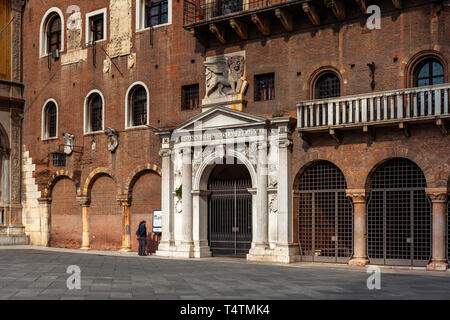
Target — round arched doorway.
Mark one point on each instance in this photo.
(325, 214)
(229, 210)
(399, 215)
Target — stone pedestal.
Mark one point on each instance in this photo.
(45, 205)
(438, 198)
(359, 197)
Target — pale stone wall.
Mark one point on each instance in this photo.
(75, 52)
(120, 28)
(31, 214)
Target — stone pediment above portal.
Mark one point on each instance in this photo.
(221, 118)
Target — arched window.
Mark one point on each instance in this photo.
(137, 105)
(51, 32)
(54, 33)
(328, 86)
(428, 73)
(94, 113)
(50, 120)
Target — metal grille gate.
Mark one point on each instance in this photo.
(325, 215)
(230, 217)
(399, 215)
(448, 229)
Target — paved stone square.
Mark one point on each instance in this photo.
(41, 274)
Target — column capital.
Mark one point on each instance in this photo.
(284, 143)
(165, 152)
(83, 201)
(437, 194)
(46, 201)
(357, 195)
(124, 200)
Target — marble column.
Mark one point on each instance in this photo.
(45, 205)
(260, 226)
(167, 233)
(125, 204)
(187, 236)
(200, 224)
(359, 197)
(438, 198)
(85, 203)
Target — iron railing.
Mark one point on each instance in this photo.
(380, 107)
(201, 10)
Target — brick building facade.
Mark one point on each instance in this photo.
(345, 100)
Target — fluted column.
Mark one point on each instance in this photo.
(187, 239)
(125, 204)
(438, 198)
(359, 197)
(85, 203)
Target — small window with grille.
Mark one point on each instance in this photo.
(328, 86)
(265, 87)
(156, 12)
(189, 97)
(96, 26)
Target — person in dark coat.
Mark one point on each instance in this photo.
(141, 234)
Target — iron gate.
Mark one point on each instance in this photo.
(325, 215)
(448, 229)
(230, 217)
(399, 215)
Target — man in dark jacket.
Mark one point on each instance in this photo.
(141, 234)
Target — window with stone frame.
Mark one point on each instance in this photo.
(328, 86)
(96, 26)
(156, 12)
(265, 87)
(138, 105)
(95, 113)
(190, 97)
(54, 33)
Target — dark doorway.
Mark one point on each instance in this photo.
(230, 211)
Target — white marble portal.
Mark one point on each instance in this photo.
(189, 154)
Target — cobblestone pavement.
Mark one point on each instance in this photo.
(41, 274)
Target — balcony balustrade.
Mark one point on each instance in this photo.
(396, 107)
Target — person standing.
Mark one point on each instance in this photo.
(141, 234)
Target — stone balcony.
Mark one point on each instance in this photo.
(237, 20)
(365, 111)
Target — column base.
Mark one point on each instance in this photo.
(85, 248)
(201, 249)
(282, 253)
(358, 262)
(437, 265)
(125, 249)
(184, 250)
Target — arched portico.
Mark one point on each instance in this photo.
(188, 157)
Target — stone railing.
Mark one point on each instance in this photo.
(396, 106)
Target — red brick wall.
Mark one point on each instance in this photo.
(105, 216)
(66, 222)
(146, 199)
